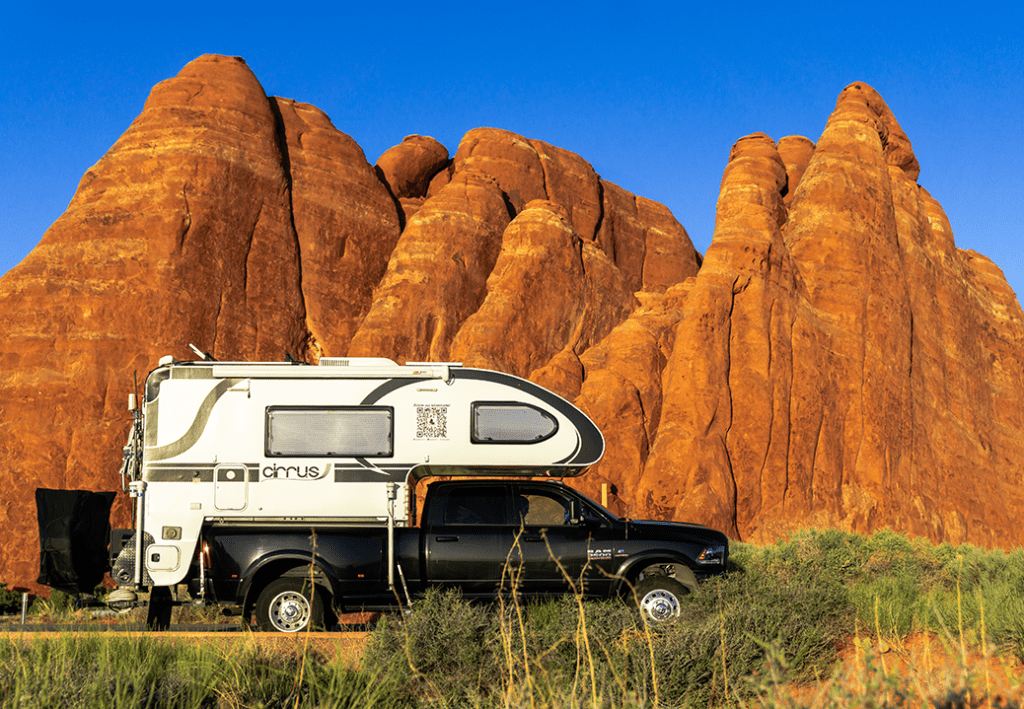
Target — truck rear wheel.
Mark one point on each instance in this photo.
(289, 605)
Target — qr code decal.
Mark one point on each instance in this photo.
(431, 421)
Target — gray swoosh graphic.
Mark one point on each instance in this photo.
(196, 429)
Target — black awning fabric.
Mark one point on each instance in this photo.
(74, 529)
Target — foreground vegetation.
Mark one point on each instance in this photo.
(775, 624)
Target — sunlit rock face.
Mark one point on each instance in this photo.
(839, 362)
(833, 360)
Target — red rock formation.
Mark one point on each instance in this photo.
(436, 276)
(647, 244)
(345, 222)
(530, 169)
(408, 167)
(623, 393)
(184, 231)
(841, 363)
(728, 341)
(833, 360)
(796, 152)
(549, 291)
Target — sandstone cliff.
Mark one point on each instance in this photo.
(833, 360)
(839, 362)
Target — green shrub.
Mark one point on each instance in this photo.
(58, 604)
(442, 647)
(10, 601)
(562, 651)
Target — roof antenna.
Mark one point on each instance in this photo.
(291, 360)
(205, 356)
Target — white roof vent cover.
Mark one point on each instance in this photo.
(356, 362)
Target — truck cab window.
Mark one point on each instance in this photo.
(537, 509)
(476, 505)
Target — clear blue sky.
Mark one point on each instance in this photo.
(653, 95)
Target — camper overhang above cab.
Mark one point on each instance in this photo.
(365, 419)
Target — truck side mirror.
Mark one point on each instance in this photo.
(575, 513)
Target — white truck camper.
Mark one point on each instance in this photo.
(342, 444)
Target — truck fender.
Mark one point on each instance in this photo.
(630, 568)
(276, 565)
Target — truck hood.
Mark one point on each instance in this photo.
(683, 531)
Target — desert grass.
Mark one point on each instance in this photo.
(104, 671)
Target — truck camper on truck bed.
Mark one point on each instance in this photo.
(288, 491)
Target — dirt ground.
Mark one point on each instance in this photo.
(921, 668)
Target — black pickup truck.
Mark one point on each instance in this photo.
(482, 537)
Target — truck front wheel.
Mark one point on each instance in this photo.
(289, 605)
(658, 598)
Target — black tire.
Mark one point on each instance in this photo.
(289, 605)
(659, 598)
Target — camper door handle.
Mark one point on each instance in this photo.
(447, 539)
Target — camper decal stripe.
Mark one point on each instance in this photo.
(368, 473)
(386, 388)
(198, 425)
(186, 473)
(569, 457)
(152, 423)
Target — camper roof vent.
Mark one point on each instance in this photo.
(356, 362)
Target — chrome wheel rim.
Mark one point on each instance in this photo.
(289, 611)
(660, 605)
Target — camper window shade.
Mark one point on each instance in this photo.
(355, 431)
(511, 422)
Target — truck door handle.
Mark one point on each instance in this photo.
(447, 539)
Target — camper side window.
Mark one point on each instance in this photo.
(348, 431)
(510, 422)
